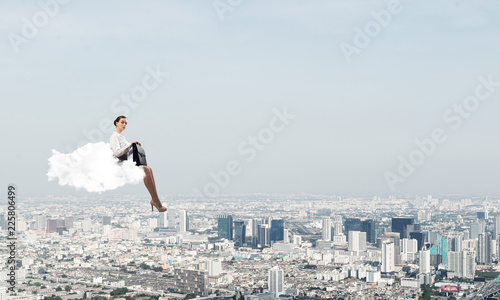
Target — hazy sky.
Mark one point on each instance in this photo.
(364, 80)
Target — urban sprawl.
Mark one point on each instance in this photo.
(253, 246)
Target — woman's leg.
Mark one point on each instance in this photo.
(149, 182)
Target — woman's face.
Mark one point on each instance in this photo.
(122, 124)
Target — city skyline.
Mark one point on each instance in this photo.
(208, 247)
(350, 97)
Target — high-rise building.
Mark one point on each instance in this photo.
(86, 224)
(277, 230)
(455, 264)
(276, 281)
(225, 227)
(171, 218)
(255, 231)
(183, 221)
(409, 247)
(461, 264)
(400, 225)
(387, 257)
(484, 249)
(264, 235)
(432, 236)
(352, 224)
(214, 267)
(106, 220)
(469, 265)
(496, 227)
(443, 248)
(326, 229)
(41, 222)
(191, 281)
(424, 261)
(419, 236)
(51, 225)
(477, 228)
(162, 220)
(368, 226)
(68, 222)
(239, 233)
(455, 242)
(395, 239)
(338, 226)
(357, 241)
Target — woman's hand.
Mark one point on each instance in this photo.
(137, 142)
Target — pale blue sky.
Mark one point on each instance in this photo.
(226, 77)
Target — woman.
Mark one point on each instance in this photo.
(121, 149)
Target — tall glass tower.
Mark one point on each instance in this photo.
(225, 227)
(400, 224)
(277, 230)
(239, 233)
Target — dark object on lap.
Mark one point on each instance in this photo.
(123, 157)
(139, 155)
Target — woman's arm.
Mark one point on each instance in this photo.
(118, 151)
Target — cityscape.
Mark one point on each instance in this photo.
(258, 246)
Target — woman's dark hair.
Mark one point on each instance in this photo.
(118, 119)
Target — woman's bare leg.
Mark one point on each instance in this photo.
(149, 182)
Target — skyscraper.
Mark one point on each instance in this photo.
(469, 265)
(276, 281)
(338, 226)
(496, 228)
(477, 228)
(387, 257)
(419, 236)
(357, 241)
(171, 218)
(461, 264)
(455, 264)
(264, 235)
(255, 231)
(277, 230)
(484, 249)
(239, 233)
(326, 229)
(352, 224)
(424, 261)
(443, 248)
(455, 242)
(400, 225)
(225, 227)
(183, 221)
(162, 220)
(368, 226)
(409, 247)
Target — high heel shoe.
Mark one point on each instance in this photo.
(159, 207)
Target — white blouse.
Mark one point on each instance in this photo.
(119, 145)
